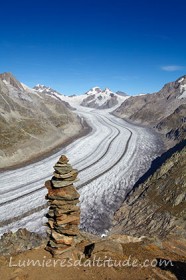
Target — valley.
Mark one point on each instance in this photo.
(110, 160)
(130, 154)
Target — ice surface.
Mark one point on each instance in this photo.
(110, 160)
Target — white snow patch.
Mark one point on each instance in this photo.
(181, 80)
(182, 91)
(183, 95)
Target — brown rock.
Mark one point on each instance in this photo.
(66, 209)
(62, 239)
(53, 244)
(65, 219)
(63, 159)
(67, 229)
(60, 203)
(57, 251)
(66, 193)
(73, 174)
(51, 223)
(61, 183)
(63, 168)
(48, 185)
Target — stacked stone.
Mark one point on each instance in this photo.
(63, 214)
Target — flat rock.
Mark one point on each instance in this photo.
(65, 219)
(66, 209)
(57, 251)
(65, 193)
(61, 183)
(60, 203)
(68, 229)
(62, 239)
(63, 169)
(73, 173)
(53, 244)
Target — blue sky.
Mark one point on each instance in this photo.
(73, 45)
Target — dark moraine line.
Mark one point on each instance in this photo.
(44, 206)
(37, 209)
(21, 196)
(38, 189)
(50, 174)
(26, 214)
(89, 181)
(94, 178)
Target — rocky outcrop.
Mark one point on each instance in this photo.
(22, 240)
(63, 214)
(157, 207)
(174, 126)
(31, 123)
(8, 78)
(163, 110)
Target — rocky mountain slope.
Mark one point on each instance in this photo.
(44, 90)
(165, 110)
(102, 99)
(31, 122)
(157, 207)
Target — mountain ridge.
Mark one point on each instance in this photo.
(31, 123)
(163, 110)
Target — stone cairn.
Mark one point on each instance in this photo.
(64, 214)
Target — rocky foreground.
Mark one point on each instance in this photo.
(114, 257)
(147, 241)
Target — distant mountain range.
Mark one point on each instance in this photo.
(94, 98)
(46, 90)
(41, 116)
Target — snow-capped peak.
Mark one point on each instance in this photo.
(47, 90)
(102, 99)
(99, 91)
(107, 91)
(94, 90)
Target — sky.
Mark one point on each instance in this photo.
(74, 45)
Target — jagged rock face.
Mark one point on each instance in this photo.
(45, 89)
(158, 206)
(175, 124)
(159, 109)
(8, 78)
(63, 214)
(30, 122)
